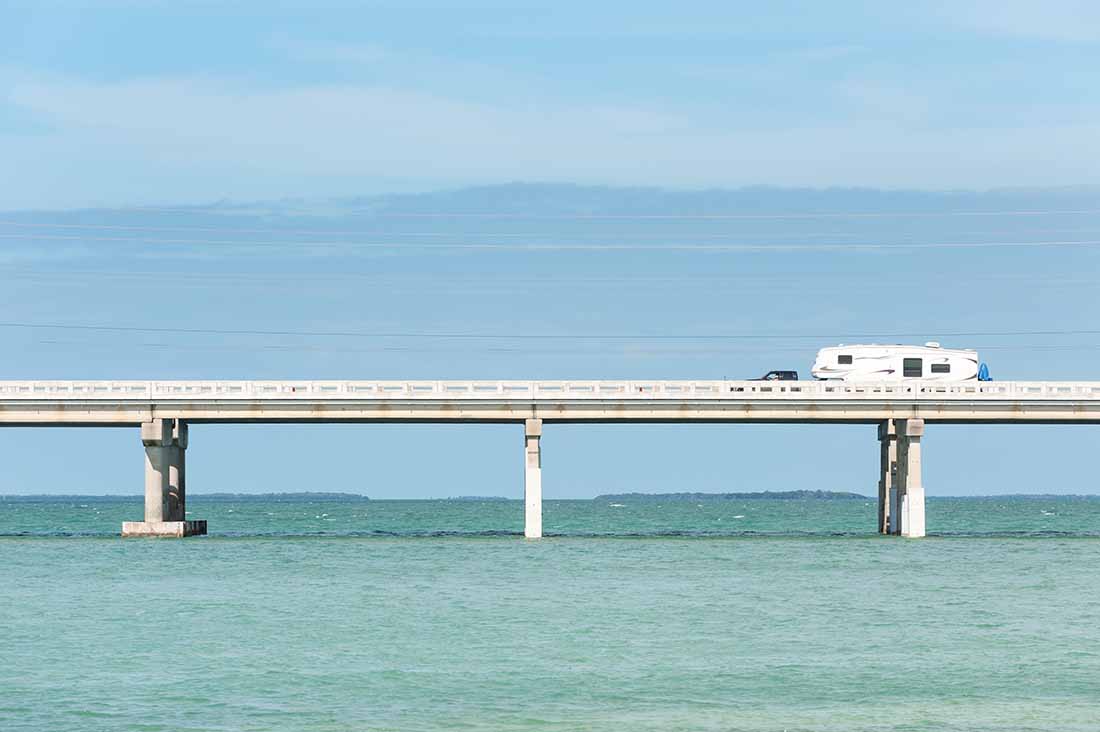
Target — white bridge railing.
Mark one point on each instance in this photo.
(542, 390)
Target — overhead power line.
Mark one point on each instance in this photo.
(437, 280)
(534, 247)
(647, 351)
(727, 217)
(264, 209)
(466, 335)
(38, 225)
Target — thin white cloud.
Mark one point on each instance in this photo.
(203, 139)
(1053, 20)
(339, 53)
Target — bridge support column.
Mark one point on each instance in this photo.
(910, 486)
(175, 507)
(532, 480)
(165, 442)
(888, 461)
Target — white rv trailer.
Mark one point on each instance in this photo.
(929, 362)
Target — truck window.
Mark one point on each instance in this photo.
(844, 359)
(941, 368)
(912, 368)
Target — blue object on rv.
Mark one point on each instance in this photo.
(983, 373)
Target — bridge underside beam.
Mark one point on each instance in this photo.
(655, 411)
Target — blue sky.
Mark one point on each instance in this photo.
(129, 104)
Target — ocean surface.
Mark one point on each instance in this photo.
(631, 615)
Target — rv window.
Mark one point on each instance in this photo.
(912, 368)
(844, 359)
(941, 368)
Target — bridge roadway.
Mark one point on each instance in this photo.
(163, 410)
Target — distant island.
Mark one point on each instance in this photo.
(775, 495)
(301, 497)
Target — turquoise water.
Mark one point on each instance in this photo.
(424, 615)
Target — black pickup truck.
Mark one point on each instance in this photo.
(779, 376)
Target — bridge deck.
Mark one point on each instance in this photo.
(133, 402)
(538, 390)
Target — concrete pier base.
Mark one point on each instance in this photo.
(177, 529)
(165, 442)
(532, 480)
(910, 485)
(888, 462)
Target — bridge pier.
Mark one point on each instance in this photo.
(888, 462)
(532, 479)
(910, 488)
(165, 442)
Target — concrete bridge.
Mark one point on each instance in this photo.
(163, 410)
